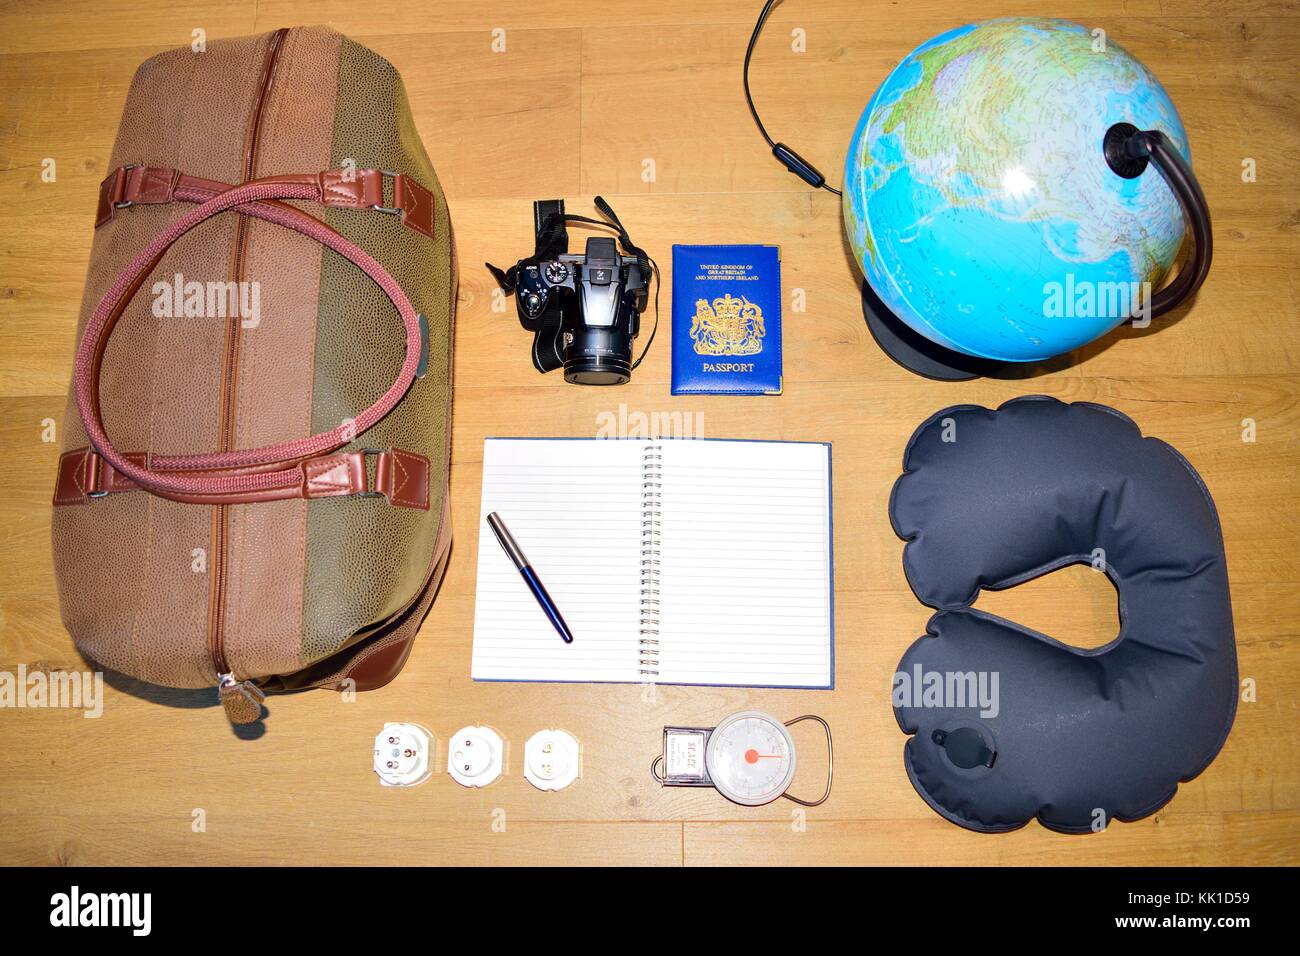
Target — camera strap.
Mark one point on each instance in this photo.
(551, 240)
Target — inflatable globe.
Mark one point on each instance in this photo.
(978, 199)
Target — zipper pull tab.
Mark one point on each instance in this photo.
(241, 699)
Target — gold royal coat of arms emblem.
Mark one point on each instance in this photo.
(729, 326)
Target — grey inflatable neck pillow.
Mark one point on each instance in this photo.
(1075, 737)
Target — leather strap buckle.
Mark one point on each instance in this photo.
(401, 477)
(84, 476)
(411, 201)
(111, 191)
(371, 489)
(394, 210)
(137, 184)
(119, 186)
(134, 184)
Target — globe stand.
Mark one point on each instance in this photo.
(914, 352)
(1128, 152)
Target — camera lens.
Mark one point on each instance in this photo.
(599, 356)
(596, 373)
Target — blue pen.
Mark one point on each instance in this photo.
(513, 551)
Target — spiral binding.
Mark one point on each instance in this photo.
(651, 527)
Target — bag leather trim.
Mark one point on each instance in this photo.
(401, 477)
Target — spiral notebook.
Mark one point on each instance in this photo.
(676, 561)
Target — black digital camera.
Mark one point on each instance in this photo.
(584, 310)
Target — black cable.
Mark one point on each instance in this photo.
(784, 154)
(749, 53)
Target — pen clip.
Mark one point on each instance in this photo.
(507, 541)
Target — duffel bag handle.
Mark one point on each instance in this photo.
(252, 472)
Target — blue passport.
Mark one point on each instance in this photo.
(726, 320)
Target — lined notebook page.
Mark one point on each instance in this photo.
(745, 564)
(574, 507)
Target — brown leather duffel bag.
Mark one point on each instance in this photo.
(252, 493)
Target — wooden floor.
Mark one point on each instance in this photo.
(584, 94)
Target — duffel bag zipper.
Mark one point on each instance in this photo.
(241, 699)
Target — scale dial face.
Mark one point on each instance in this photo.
(750, 758)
